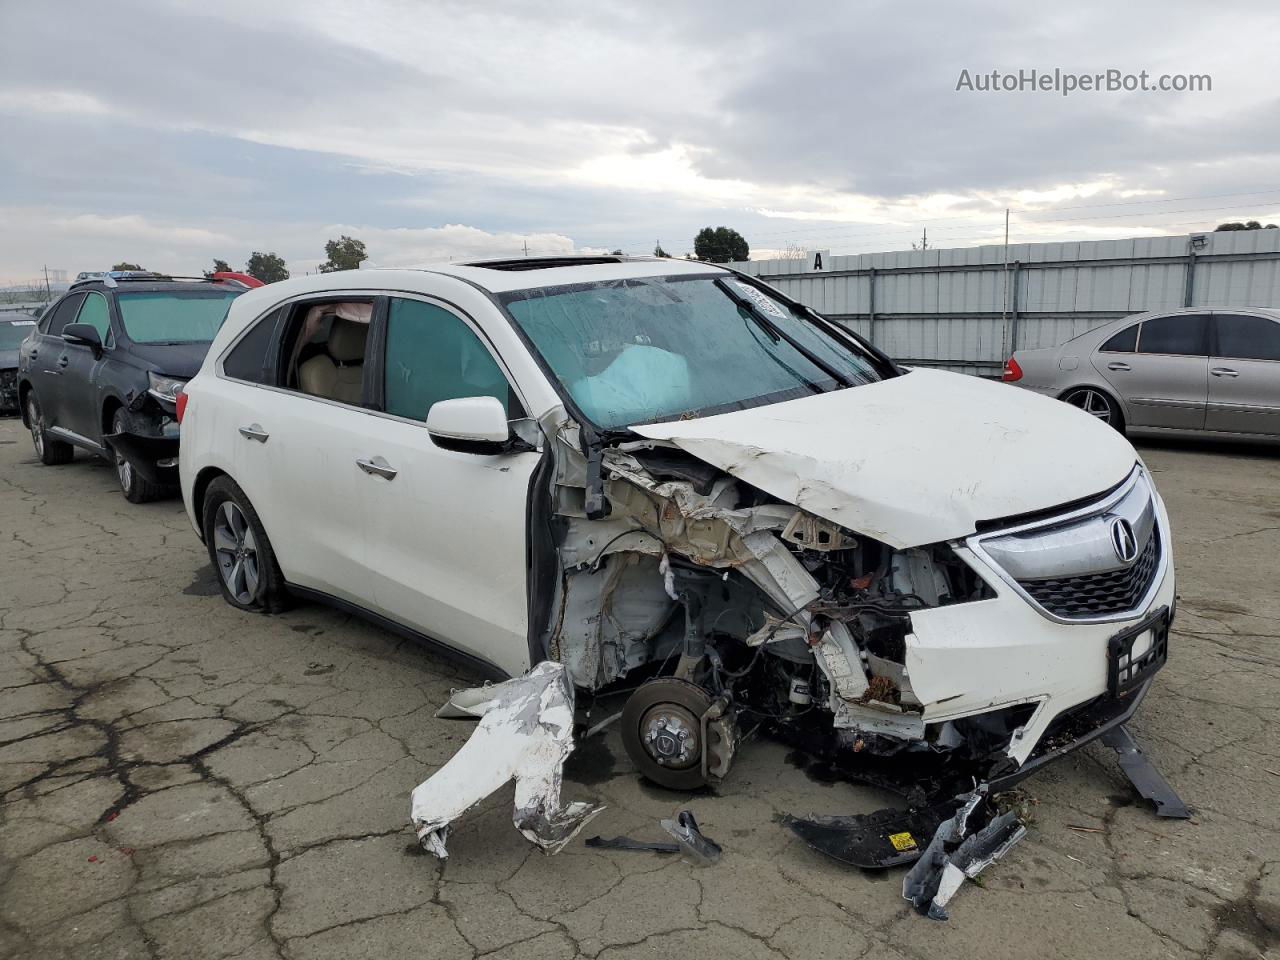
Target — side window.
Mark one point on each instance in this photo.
(325, 345)
(249, 359)
(61, 315)
(1183, 335)
(95, 312)
(432, 355)
(1243, 337)
(1126, 341)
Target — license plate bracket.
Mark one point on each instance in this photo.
(1126, 672)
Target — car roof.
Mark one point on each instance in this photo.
(502, 276)
(155, 286)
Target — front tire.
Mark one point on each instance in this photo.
(248, 573)
(135, 487)
(1097, 404)
(50, 451)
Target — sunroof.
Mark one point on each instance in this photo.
(541, 263)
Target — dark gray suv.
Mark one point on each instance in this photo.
(104, 368)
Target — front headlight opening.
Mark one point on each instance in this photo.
(165, 388)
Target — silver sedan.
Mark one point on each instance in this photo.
(1193, 371)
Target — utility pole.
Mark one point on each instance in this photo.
(526, 248)
(924, 241)
(48, 293)
(1004, 312)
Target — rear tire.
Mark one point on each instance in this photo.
(248, 574)
(1097, 404)
(135, 487)
(50, 451)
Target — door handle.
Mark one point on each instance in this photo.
(254, 431)
(63, 360)
(1223, 372)
(378, 467)
(1118, 365)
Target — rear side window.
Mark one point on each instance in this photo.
(432, 355)
(1126, 341)
(1243, 337)
(62, 314)
(250, 358)
(94, 312)
(1181, 335)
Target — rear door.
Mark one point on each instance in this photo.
(1244, 374)
(447, 530)
(1163, 382)
(295, 453)
(45, 356)
(80, 408)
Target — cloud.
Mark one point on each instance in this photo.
(616, 124)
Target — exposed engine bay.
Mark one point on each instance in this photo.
(729, 611)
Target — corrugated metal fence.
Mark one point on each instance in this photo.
(968, 308)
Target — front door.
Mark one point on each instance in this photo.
(447, 530)
(1244, 374)
(80, 411)
(1163, 382)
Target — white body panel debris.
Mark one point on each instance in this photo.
(525, 733)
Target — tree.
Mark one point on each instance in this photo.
(617, 253)
(219, 266)
(345, 253)
(1247, 225)
(267, 267)
(720, 245)
(659, 252)
(126, 265)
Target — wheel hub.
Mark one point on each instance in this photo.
(670, 735)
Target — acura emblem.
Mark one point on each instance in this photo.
(1123, 540)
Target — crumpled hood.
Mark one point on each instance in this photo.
(917, 459)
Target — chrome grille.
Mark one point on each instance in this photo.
(1098, 594)
(1071, 567)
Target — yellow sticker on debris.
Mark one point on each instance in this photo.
(902, 841)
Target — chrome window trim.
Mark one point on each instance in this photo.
(971, 549)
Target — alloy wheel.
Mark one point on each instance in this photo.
(37, 425)
(237, 552)
(1093, 403)
(124, 469)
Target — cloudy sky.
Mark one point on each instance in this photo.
(170, 133)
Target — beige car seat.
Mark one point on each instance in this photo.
(338, 373)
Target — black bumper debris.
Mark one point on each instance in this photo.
(875, 841)
(1146, 779)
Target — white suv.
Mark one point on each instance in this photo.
(670, 477)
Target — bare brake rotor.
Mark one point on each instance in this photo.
(669, 724)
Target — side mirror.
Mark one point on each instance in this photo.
(470, 425)
(83, 335)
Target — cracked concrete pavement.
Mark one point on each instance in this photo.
(178, 779)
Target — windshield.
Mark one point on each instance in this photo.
(174, 316)
(13, 332)
(636, 351)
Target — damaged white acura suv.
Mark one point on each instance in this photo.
(666, 478)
